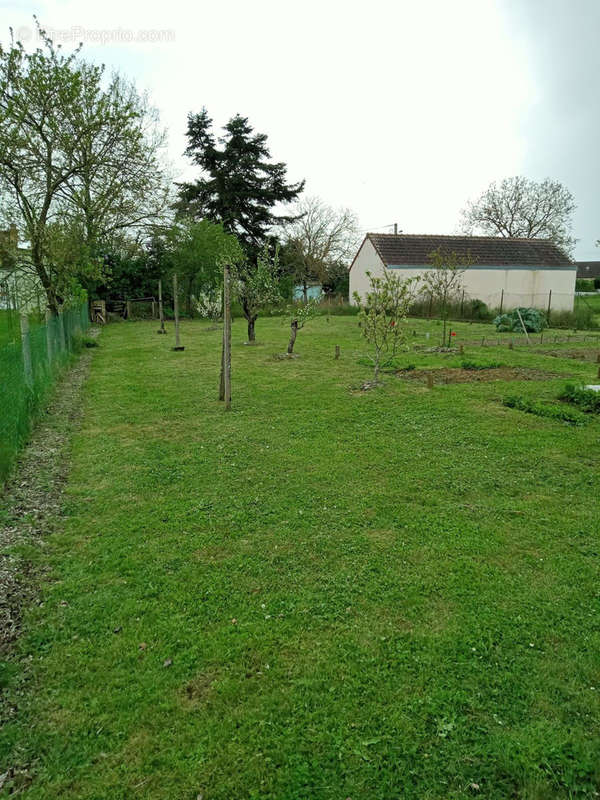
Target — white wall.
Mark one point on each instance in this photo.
(522, 286)
(367, 260)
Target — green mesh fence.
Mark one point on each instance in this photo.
(32, 354)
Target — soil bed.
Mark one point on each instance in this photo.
(580, 355)
(460, 375)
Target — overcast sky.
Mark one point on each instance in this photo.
(399, 110)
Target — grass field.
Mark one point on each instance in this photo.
(593, 302)
(324, 594)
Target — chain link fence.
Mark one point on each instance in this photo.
(33, 351)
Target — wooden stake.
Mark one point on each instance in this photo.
(160, 309)
(227, 337)
(523, 325)
(178, 345)
(429, 380)
(337, 351)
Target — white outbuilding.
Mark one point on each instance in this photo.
(505, 273)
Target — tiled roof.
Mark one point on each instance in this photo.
(398, 249)
(588, 269)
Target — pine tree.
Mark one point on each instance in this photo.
(240, 186)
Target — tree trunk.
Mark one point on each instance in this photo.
(444, 321)
(251, 334)
(53, 300)
(293, 334)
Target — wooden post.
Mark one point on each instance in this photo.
(511, 344)
(160, 309)
(153, 309)
(222, 378)
(128, 306)
(226, 337)
(337, 351)
(430, 380)
(501, 300)
(461, 349)
(178, 345)
(523, 326)
(26, 349)
(549, 305)
(542, 337)
(49, 337)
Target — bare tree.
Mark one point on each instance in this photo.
(523, 208)
(319, 241)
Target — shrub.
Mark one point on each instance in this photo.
(584, 285)
(548, 410)
(327, 309)
(457, 309)
(586, 399)
(581, 318)
(478, 310)
(533, 319)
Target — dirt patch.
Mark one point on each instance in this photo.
(579, 355)
(31, 501)
(460, 375)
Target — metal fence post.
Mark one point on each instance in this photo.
(49, 338)
(26, 349)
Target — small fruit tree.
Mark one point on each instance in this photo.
(382, 314)
(256, 286)
(444, 280)
(300, 315)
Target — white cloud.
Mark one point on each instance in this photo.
(400, 111)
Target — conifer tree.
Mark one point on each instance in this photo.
(240, 185)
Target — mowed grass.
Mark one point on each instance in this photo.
(325, 593)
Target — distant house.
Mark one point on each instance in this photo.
(588, 269)
(313, 291)
(511, 272)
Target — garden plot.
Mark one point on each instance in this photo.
(578, 355)
(478, 375)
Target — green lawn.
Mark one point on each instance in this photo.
(383, 594)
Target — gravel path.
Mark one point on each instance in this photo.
(31, 502)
